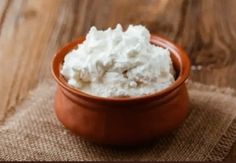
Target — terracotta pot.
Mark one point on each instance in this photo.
(123, 121)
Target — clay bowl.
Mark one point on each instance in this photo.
(123, 121)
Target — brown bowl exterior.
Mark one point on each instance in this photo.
(123, 121)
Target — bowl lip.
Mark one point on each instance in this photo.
(156, 40)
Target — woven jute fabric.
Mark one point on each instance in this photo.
(34, 133)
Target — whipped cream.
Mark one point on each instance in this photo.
(117, 63)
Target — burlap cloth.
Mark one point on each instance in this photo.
(34, 133)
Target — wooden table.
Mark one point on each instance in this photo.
(32, 30)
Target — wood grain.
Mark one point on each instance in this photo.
(31, 31)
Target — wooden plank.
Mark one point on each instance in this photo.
(4, 5)
(25, 34)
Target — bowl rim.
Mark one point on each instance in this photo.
(156, 40)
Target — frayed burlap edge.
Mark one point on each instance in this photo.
(223, 147)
